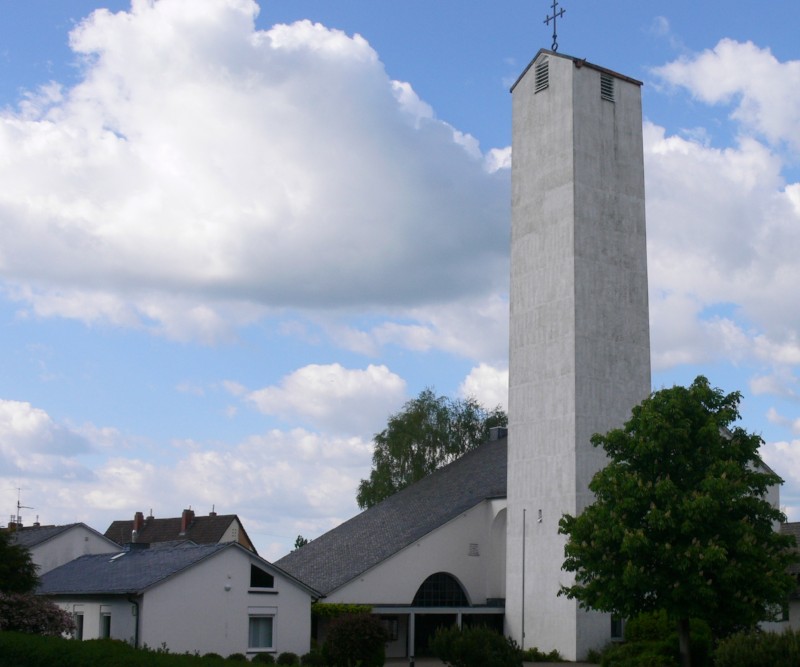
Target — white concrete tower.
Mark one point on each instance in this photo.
(579, 332)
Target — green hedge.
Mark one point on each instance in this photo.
(477, 646)
(757, 649)
(26, 650)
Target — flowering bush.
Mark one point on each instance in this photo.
(25, 612)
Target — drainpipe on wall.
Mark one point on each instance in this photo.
(131, 597)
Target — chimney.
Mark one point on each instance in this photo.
(186, 520)
(138, 521)
(212, 512)
(12, 524)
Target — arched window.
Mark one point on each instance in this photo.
(440, 590)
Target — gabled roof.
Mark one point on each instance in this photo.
(344, 553)
(32, 536)
(202, 530)
(135, 571)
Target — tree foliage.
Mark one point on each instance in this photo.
(300, 541)
(680, 522)
(17, 569)
(429, 432)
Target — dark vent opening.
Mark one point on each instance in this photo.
(607, 87)
(542, 75)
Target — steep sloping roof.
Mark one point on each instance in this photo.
(32, 536)
(202, 530)
(123, 572)
(342, 554)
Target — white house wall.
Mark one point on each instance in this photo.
(205, 609)
(69, 545)
(122, 612)
(447, 549)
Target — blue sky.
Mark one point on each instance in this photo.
(234, 238)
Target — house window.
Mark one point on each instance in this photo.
(260, 633)
(616, 627)
(260, 579)
(105, 626)
(78, 618)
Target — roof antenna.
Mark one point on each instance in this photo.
(557, 13)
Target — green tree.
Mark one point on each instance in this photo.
(17, 570)
(429, 432)
(300, 541)
(680, 522)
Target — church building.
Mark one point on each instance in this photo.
(477, 541)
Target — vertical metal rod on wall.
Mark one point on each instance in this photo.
(524, 511)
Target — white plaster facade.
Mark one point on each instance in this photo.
(205, 608)
(579, 329)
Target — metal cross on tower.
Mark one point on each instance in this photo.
(557, 13)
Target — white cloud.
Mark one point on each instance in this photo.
(32, 444)
(202, 171)
(335, 399)
(764, 91)
(774, 417)
(721, 228)
(488, 385)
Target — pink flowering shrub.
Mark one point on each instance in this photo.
(25, 612)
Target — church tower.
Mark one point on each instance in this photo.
(579, 331)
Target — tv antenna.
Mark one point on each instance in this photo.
(557, 14)
(18, 517)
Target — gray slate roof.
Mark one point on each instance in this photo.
(344, 553)
(131, 572)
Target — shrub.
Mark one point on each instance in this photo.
(264, 658)
(357, 639)
(651, 640)
(237, 657)
(288, 658)
(25, 612)
(212, 656)
(535, 655)
(755, 649)
(313, 658)
(476, 646)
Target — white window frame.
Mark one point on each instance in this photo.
(260, 649)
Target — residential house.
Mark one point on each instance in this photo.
(51, 546)
(220, 598)
(212, 529)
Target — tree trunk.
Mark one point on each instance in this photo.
(683, 642)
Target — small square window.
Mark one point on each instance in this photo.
(616, 627)
(260, 632)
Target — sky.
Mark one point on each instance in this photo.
(236, 237)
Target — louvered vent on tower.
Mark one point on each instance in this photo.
(542, 75)
(607, 87)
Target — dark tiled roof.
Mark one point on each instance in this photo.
(123, 572)
(31, 536)
(345, 552)
(202, 530)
